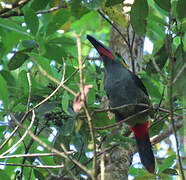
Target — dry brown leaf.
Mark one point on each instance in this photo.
(80, 99)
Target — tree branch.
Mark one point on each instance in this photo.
(92, 133)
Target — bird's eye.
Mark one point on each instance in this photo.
(117, 54)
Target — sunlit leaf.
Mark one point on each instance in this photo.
(167, 163)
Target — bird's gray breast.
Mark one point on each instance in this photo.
(122, 90)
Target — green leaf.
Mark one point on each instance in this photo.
(82, 23)
(45, 108)
(160, 57)
(181, 6)
(39, 4)
(138, 15)
(112, 2)
(144, 176)
(78, 142)
(55, 52)
(3, 91)
(155, 129)
(43, 62)
(38, 175)
(60, 139)
(65, 101)
(9, 78)
(13, 26)
(167, 163)
(2, 50)
(152, 89)
(57, 21)
(180, 84)
(78, 12)
(163, 4)
(93, 4)
(183, 27)
(31, 20)
(18, 59)
(23, 81)
(65, 41)
(30, 44)
(4, 175)
(68, 127)
(101, 119)
(170, 171)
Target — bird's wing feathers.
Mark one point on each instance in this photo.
(139, 83)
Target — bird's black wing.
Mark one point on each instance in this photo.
(139, 83)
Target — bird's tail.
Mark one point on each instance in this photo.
(144, 146)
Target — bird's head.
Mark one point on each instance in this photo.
(105, 52)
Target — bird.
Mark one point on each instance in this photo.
(124, 88)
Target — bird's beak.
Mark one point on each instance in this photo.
(101, 48)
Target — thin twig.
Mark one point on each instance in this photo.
(131, 53)
(17, 4)
(48, 97)
(122, 121)
(158, 138)
(52, 149)
(61, 6)
(22, 138)
(32, 155)
(171, 90)
(154, 140)
(51, 78)
(27, 113)
(159, 105)
(130, 46)
(66, 165)
(114, 26)
(29, 93)
(159, 71)
(15, 13)
(92, 133)
(64, 70)
(31, 165)
(179, 73)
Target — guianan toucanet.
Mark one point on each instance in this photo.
(124, 87)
